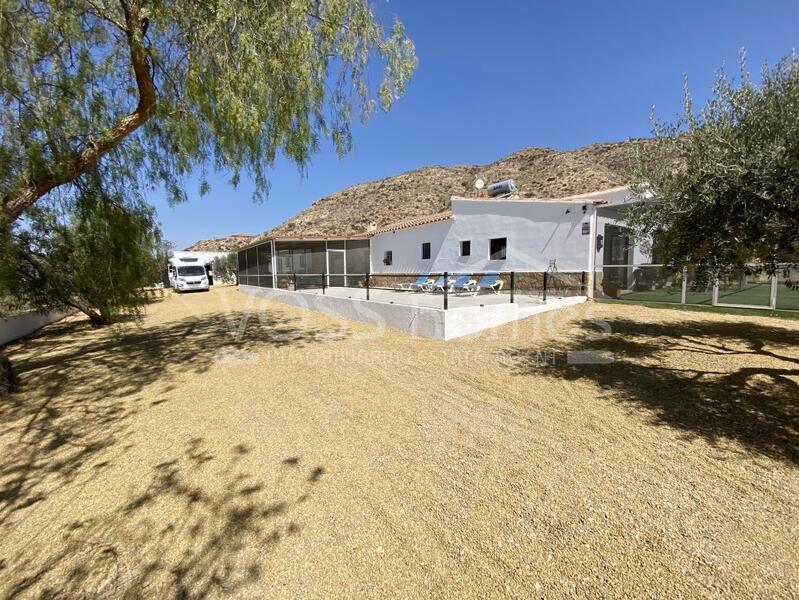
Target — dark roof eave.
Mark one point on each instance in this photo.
(330, 238)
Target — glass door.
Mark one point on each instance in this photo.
(617, 252)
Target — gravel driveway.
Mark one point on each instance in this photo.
(227, 445)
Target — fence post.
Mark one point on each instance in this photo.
(446, 290)
(294, 275)
(684, 293)
(512, 285)
(545, 286)
(323, 284)
(367, 284)
(773, 295)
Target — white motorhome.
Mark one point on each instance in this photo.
(188, 274)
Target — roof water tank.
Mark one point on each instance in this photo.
(501, 187)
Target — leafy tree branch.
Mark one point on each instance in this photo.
(720, 187)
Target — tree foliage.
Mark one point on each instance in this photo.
(96, 257)
(135, 93)
(721, 186)
(142, 91)
(225, 268)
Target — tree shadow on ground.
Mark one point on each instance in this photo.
(755, 404)
(196, 528)
(80, 389)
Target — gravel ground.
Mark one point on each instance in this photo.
(231, 446)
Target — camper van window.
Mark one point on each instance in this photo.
(425, 250)
(191, 271)
(498, 249)
(466, 248)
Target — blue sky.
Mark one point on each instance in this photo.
(496, 76)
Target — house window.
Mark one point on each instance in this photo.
(498, 249)
(388, 257)
(426, 251)
(466, 248)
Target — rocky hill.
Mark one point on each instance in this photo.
(539, 173)
(221, 244)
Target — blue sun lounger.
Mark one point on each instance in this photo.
(420, 284)
(432, 287)
(489, 281)
(456, 283)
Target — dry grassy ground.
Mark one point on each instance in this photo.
(231, 446)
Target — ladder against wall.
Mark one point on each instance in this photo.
(555, 284)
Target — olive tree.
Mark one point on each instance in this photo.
(226, 267)
(720, 187)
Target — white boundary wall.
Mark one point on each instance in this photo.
(18, 326)
(426, 322)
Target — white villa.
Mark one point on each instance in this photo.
(581, 235)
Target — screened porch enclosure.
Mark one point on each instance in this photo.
(305, 264)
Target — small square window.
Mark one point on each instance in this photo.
(388, 257)
(498, 249)
(425, 250)
(466, 248)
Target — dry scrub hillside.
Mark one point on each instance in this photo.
(221, 244)
(539, 173)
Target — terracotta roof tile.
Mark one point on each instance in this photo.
(414, 222)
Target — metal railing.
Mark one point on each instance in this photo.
(657, 283)
(435, 289)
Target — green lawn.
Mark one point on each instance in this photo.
(669, 294)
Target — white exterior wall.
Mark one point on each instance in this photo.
(406, 247)
(536, 233)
